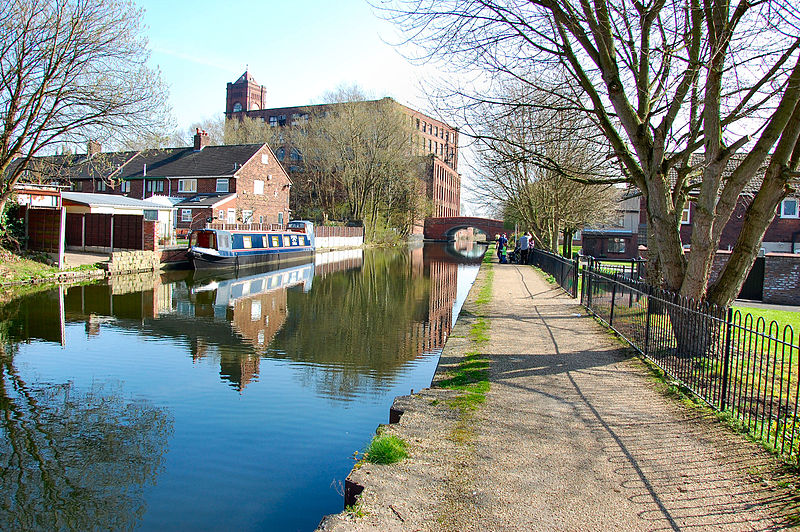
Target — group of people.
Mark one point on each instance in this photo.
(521, 249)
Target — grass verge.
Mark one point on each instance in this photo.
(471, 377)
(386, 449)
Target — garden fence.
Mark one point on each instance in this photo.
(734, 362)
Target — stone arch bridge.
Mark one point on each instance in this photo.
(445, 228)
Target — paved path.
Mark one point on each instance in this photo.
(574, 435)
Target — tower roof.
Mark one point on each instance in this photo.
(246, 77)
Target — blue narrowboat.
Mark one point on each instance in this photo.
(218, 248)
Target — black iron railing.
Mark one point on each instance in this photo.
(733, 361)
(564, 271)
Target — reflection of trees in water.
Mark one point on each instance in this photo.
(71, 459)
(360, 322)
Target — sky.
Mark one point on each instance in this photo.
(298, 50)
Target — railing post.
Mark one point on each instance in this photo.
(613, 297)
(647, 325)
(576, 265)
(726, 361)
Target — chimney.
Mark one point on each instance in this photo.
(200, 140)
(93, 148)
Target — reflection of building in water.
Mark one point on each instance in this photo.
(431, 334)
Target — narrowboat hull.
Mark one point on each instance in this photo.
(206, 261)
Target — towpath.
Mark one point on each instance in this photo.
(575, 434)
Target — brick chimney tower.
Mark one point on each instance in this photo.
(201, 140)
(93, 148)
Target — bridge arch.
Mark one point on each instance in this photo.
(445, 228)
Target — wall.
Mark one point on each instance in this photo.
(134, 261)
(782, 279)
(781, 276)
(275, 198)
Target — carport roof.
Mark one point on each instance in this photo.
(109, 200)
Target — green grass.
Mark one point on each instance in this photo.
(386, 449)
(471, 377)
(781, 317)
(15, 268)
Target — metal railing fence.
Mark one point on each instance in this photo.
(732, 360)
(564, 271)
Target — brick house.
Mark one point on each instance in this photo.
(434, 141)
(236, 184)
(782, 234)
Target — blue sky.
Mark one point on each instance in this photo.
(298, 50)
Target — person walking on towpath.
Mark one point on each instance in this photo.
(574, 435)
(524, 245)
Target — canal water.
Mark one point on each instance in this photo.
(213, 402)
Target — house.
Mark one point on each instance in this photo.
(234, 184)
(782, 234)
(617, 240)
(434, 140)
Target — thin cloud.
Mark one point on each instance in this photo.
(194, 59)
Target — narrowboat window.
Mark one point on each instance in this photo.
(276, 241)
(286, 241)
(247, 242)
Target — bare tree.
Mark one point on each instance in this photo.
(676, 87)
(359, 151)
(70, 71)
(534, 164)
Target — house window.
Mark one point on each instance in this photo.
(616, 245)
(295, 155)
(187, 185)
(280, 218)
(77, 186)
(186, 215)
(222, 185)
(261, 219)
(273, 121)
(281, 120)
(686, 215)
(221, 215)
(258, 186)
(264, 158)
(281, 153)
(101, 186)
(125, 186)
(155, 186)
(789, 208)
(247, 217)
(237, 107)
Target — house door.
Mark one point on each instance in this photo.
(753, 287)
(231, 216)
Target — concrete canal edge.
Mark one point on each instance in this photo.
(438, 438)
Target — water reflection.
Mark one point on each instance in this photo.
(99, 380)
(75, 459)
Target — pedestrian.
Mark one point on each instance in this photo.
(524, 243)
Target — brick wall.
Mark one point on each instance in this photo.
(149, 236)
(275, 198)
(782, 278)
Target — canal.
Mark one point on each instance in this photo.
(212, 402)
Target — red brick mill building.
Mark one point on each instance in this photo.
(435, 141)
